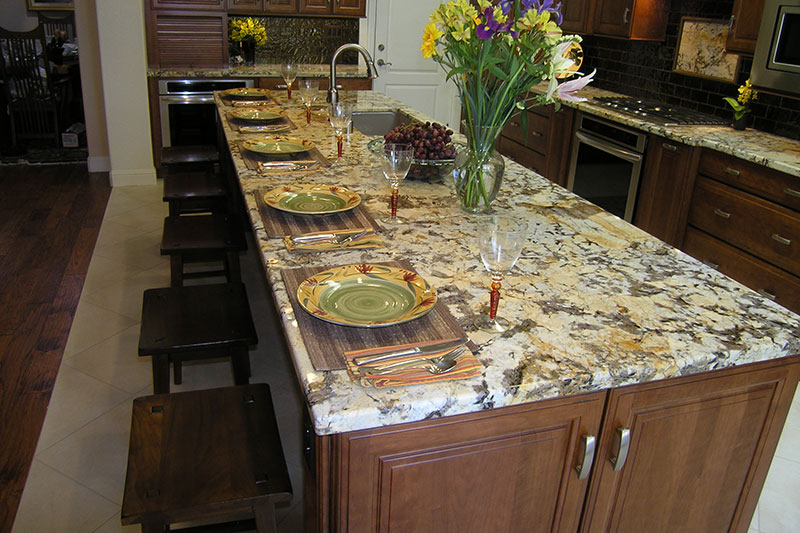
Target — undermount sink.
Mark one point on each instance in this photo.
(378, 122)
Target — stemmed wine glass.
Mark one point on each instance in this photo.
(289, 73)
(308, 90)
(500, 241)
(340, 116)
(396, 161)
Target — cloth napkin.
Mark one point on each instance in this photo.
(370, 240)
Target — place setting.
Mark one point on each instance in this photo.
(281, 153)
(259, 120)
(382, 322)
(246, 97)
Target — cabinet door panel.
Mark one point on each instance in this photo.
(245, 6)
(746, 21)
(699, 451)
(320, 7)
(613, 17)
(191, 40)
(508, 470)
(352, 8)
(576, 15)
(188, 4)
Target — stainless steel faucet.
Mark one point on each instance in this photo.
(333, 92)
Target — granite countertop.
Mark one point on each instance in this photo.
(779, 153)
(596, 302)
(261, 71)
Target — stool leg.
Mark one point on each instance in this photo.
(177, 372)
(160, 374)
(240, 360)
(265, 518)
(176, 270)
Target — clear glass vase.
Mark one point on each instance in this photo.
(478, 169)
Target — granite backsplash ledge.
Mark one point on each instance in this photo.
(644, 69)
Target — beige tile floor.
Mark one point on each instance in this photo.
(77, 476)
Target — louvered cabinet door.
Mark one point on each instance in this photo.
(188, 40)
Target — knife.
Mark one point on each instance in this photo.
(414, 350)
(336, 237)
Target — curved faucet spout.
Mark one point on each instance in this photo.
(333, 92)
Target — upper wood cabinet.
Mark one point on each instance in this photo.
(187, 40)
(349, 8)
(188, 4)
(644, 20)
(245, 6)
(745, 23)
(577, 16)
(263, 7)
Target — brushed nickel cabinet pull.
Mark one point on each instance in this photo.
(670, 147)
(515, 124)
(782, 240)
(536, 133)
(766, 294)
(587, 457)
(721, 213)
(711, 264)
(625, 15)
(621, 444)
(792, 192)
(732, 171)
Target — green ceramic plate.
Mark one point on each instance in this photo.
(255, 115)
(312, 199)
(279, 146)
(247, 92)
(366, 296)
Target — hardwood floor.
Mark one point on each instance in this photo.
(50, 217)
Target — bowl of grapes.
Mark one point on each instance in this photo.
(434, 151)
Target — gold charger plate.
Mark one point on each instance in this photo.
(279, 145)
(366, 296)
(304, 199)
(247, 92)
(255, 115)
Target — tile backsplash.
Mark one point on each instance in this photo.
(644, 69)
(306, 40)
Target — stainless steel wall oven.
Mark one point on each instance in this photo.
(605, 164)
(188, 113)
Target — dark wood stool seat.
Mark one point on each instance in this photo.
(202, 238)
(195, 191)
(197, 322)
(204, 455)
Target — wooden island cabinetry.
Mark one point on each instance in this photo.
(681, 454)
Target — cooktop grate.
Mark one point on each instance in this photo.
(656, 112)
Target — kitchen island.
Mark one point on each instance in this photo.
(621, 344)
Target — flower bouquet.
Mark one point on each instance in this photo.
(248, 32)
(494, 53)
(741, 106)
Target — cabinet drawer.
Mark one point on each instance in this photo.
(762, 277)
(760, 180)
(538, 129)
(522, 155)
(766, 230)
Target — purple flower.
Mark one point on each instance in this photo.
(544, 5)
(488, 29)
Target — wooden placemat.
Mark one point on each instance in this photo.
(251, 159)
(235, 123)
(327, 343)
(278, 223)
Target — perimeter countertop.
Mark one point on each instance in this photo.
(261, 71)
(596, 302)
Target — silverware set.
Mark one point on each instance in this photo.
(341, 239)
(384, 364)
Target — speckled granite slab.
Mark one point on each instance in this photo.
(595, 302)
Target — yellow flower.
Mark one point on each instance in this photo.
(429, 40)
(464, 33)
(747, 93)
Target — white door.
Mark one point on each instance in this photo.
(395, 29)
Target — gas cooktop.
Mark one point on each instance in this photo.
(657, 113)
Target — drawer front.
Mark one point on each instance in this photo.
(522, 155)
(762, 181)
(768, 231)
(762, 277)
(538, 130)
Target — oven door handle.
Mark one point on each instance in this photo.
(193, 99)
(622, 153)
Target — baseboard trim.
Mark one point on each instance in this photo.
(126, 178)
(99, 164)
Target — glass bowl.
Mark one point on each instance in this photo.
(432, 170)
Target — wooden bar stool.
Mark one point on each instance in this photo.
(204, 455)
(195, 191)
(202, 238)
(197, 322)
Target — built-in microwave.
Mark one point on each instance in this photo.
(776, 62)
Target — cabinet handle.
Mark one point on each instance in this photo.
(625, 15)
(730, 24)
(587, 457)
(670, 147)
(732, 171)
(782, 240)
(721, 213)
(792, 192)
(536, 133)
(515, 124)
(766, 294)
(622, 442)
(711, 264)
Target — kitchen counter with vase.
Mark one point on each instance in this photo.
(262, 71)
(773, 151)
(596, 303)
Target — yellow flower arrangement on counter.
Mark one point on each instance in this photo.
(247, 29)
(741, 105)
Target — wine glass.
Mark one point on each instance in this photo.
(308, 90)
(396, 161)
(500, 241)
(340, 116)
(289, 73)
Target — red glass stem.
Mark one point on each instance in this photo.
(289, 92)
(495, 297)
(394, 201)
(339, 145)
(308, 114)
